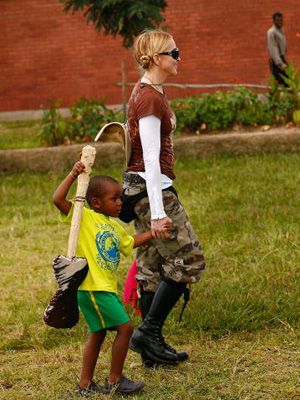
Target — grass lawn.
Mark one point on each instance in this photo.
(19, 134)
(241, 327)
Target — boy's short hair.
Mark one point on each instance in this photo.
(97, 186)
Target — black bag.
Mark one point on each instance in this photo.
(127, 213)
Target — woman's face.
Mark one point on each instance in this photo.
(166, 62)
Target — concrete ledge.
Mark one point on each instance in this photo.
(56, 158)
(276, 140)
(61, 157)
(28, 115)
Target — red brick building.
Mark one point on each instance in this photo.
(46, 54)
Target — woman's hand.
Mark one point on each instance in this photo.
(160, 228)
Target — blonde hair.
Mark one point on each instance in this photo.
(147, 44)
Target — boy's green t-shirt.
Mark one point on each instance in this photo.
(101, 240)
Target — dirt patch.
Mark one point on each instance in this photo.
(62, 157)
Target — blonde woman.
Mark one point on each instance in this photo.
(165, 266)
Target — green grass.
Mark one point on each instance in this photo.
(241, 327)
(19, 134)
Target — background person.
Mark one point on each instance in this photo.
(165, 266)
(277, 48)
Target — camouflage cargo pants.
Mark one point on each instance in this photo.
(179, 258)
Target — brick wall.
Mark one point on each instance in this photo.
(46, 54)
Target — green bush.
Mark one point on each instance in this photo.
(293, 81)
(222, 110)
(54, 127)
(216, 111)
(247, 108)
(293, 90)
(210, 111)
(87, 118)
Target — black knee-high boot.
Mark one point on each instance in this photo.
(145, 304)
(147, 338)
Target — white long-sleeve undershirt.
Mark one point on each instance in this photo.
(149, 128)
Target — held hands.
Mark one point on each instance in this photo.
(77, 169)
(161, 228)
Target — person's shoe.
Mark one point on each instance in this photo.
(123, 386)
(149, 362)
(89, 390)
(146, 340)
(181, 355)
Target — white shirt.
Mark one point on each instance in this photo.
(149, 128)
(277, 46)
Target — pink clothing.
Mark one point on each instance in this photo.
(130, 289)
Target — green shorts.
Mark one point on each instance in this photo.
(101, 310)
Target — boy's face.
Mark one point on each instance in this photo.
(110, 203)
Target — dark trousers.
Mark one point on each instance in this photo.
(278, 72)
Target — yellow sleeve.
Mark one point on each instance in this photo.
(126, 241)
(66, 218)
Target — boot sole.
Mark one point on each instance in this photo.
(158, 360)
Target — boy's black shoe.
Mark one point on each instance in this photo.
(89, 390)
(123, 386)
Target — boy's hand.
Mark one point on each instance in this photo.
(59, 197)
(77, 169)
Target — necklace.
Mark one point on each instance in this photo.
(156, 86)
(152, 83)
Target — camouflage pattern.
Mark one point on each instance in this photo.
(133, 184)
(179, 258)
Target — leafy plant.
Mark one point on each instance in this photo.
(293, 90)
(215, 111)
(293, 81)
(87, 116)
(54, 126)
(186, 110)
(242, 106)
(125, 17)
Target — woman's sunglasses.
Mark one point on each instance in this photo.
(173, 53)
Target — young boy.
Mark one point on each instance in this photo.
(101, 240)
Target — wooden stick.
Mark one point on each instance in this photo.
(87, 157)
